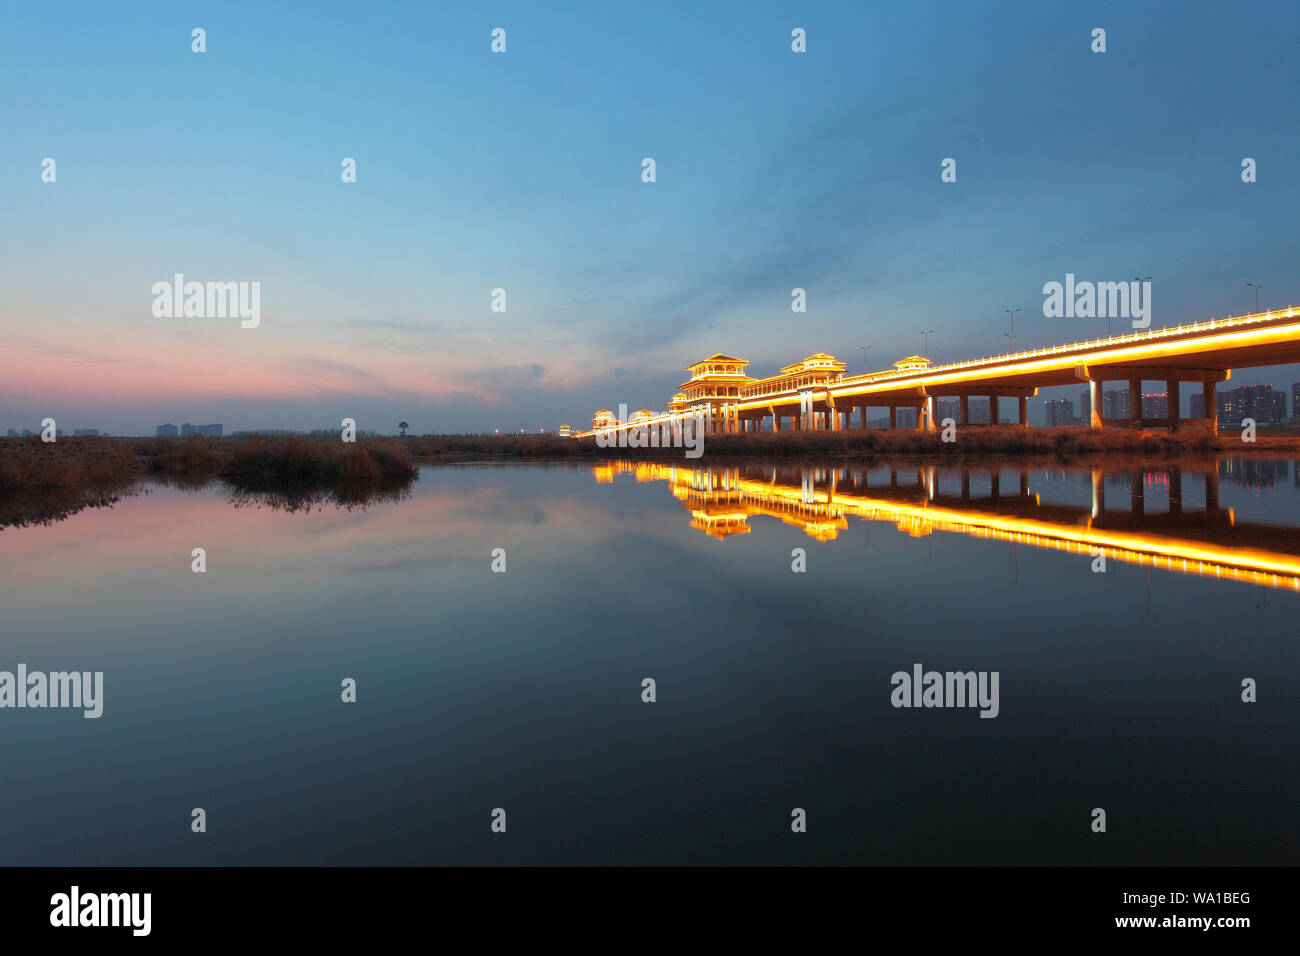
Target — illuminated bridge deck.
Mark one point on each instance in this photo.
(817, 395)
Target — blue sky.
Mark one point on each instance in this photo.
(522, 171)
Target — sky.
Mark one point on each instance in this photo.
(522, 171)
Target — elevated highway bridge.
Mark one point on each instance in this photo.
(816, 394)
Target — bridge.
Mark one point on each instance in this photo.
(1207, 541)
(816, 394)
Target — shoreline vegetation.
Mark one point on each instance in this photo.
(252, 462)
(257, 462)
(44, 482)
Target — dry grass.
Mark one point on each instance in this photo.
(973, 443)
(296, 460)
(477, 447)
(1065, 444)
(29, 463)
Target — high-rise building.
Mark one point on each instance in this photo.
(1059, 412)
(1259, 402)
(166, 431)
(213, 431)
(1278, 410)
(1155, 405)
(1114, 404)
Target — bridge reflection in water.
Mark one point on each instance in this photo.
(1206, 540)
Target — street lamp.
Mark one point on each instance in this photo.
(1012, 334)
(925, 338)
(865, 349)
(1256, 288)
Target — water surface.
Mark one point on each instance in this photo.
(523, 690)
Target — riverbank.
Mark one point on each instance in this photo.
(971, 444)
(294, 461)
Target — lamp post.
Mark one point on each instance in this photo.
(865, 349)
(1012, 334)
(925, 338)
(1256, 288)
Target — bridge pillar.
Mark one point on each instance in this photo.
(893, 416)
(1098, 493)
(1212, 488)
(1094, 394)
(776, 421)
(1022, 411)
(1175, 491)
(1137, 500)
(1172, 400)
(963, 409)
(1022, 482)
(995, 483)
(1135, 401)
(1211, 402)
